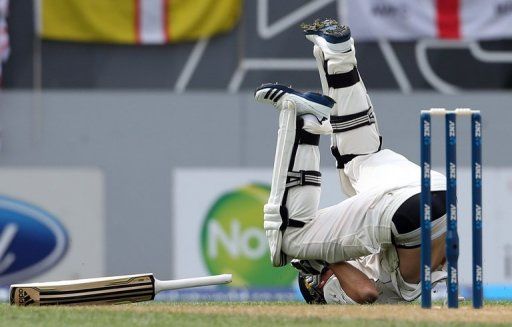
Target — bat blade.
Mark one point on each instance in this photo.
(107, 290)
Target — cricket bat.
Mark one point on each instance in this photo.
(105, 290)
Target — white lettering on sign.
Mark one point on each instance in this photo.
(250, 242)
(6, 238)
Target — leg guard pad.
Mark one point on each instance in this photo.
(288, 199)
(272, 210)
(354, 134)
(319, 57)
(272, 225)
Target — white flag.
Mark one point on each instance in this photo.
(404, 20)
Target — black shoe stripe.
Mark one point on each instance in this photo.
(268, 93)
(279, 96)
(273, 94)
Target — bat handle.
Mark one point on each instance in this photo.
(165, 285)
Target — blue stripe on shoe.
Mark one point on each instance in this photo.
(319, 98)
(311, 96)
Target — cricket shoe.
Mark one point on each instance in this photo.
(305, 103)
(329, 35)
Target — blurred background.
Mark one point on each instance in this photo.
(130, 141)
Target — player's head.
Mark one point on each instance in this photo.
(323, 288)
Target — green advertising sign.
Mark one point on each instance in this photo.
(233, 240)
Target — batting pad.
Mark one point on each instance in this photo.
(272, 210)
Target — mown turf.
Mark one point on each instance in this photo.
(255, 314)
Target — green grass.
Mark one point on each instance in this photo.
(253, 314)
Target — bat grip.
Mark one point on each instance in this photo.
(166, 285)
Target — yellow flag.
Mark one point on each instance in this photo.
(136, 21)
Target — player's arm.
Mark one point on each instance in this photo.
(340, 283)
(356, 285)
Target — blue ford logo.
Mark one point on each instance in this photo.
(31, 241)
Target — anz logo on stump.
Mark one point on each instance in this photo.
(31, 241)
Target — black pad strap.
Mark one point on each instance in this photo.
(338, 81)
(304, 137)
(295, 223)
(298, 178)
(346, 123)
(283, 212)
(342, 160)
(287, 222)
(308, 138)
(303, 177)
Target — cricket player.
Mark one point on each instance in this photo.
(373, 237)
